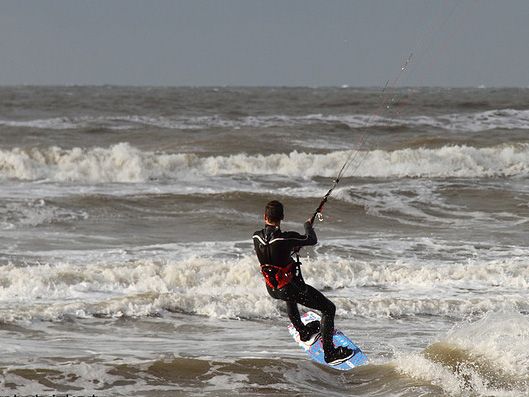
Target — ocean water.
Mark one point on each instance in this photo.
(126, 260)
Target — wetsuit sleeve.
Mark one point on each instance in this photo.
(298, 240)
(310, 233)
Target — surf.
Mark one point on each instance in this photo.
(124, 163)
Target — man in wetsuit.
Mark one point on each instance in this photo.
(282, 274)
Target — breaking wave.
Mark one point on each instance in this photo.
(127, 164)
(233, 288)
(488, 357)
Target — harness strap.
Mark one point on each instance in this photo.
(278, 277)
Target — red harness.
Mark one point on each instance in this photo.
(278, 276)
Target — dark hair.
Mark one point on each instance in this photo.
(274, 211)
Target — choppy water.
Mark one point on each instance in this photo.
(125, 253)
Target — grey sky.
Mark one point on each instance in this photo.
(273, 42)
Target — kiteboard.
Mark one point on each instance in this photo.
(315, 350)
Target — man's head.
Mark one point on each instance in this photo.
(273, 213)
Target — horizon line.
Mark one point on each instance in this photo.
(239, 86)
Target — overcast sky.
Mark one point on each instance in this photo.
(267, 42)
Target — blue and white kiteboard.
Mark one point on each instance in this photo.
(315, 351)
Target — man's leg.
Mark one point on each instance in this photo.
(293, 315)
(309, 332)
(299, 292)
(314, 299)
(291, 294)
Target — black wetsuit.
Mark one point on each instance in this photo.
(274, 247)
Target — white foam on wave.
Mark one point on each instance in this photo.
(461, 122)
(501, 337)
(196, 285)
(233, 287)
(414, 201)
(488, 357)
(34, 213)
(125, 163)
(54, 123)
(110, 122)
(408, 275)
(508, 119)
(73, 373)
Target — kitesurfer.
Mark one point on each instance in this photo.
(274, 249)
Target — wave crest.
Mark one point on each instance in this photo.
(127, 164)
(487, 357)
